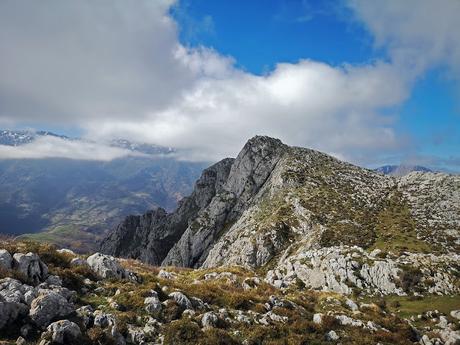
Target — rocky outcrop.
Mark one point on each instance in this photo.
(349, 269)
(247, 175)
(221, 195)
(151, 236)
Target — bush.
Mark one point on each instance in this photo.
(410, 278)
(182, 332)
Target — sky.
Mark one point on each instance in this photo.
(370, 82)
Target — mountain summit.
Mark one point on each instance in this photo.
(275, 202)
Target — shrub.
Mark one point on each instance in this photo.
(182, 332)
(410, 278)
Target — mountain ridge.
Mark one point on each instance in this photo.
(276, 195)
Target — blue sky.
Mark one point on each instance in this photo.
(258, 35)
(370, 82)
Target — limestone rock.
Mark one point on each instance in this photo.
(48, 307)
(104, 320)
(107, 267)
(332, 336)
(63, 331)
(455, 314)
(31, 266)
(152, 304)
(6, 260)
(78, 262)
(181, 299)
(209, 320)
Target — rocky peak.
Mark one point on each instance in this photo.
(274, 199)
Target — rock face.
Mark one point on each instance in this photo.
(301, 210)
(151, 236)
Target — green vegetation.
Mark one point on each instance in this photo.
(406, 306)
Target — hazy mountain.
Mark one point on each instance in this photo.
(75, 201)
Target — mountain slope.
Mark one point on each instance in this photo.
(278, 199)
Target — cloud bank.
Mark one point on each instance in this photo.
(117, 69)
(54, 147)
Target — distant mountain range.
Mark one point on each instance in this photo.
(18, 138)
(401, 170)
(74, 202)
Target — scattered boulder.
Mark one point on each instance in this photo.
(181, 299)
(66, 251)
(318, 318)
(332, 336)
(54, 280)
(13, 303)
(107, 267)
(351, 305)
(209, 320)
(85, 314)
(31, 266)
(49, 306)
(103, 320)
(78, 262)
(152, 304)
(425, 340)
(455, 314)
(166, 275)
(21, 341)
(6, 260)
(63, 332)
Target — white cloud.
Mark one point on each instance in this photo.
(54, 147)
(308, 103)
(117, 69)
(419, 34)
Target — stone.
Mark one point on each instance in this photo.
(6, 260)
(450, 337)
(425, 340)
(351, 305)
(153, 305)
(332, 336)
(21, 341)
(107, 266)
(104, 320)
(48, 306)
(31, 267)
(181, 300)
(78, 262)
(54, 280)
(63, 332)
(66, 251)
(209, 320)
(85, 313)
(13, 304)
(318, 318)
(455, 314)
(166, 275)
